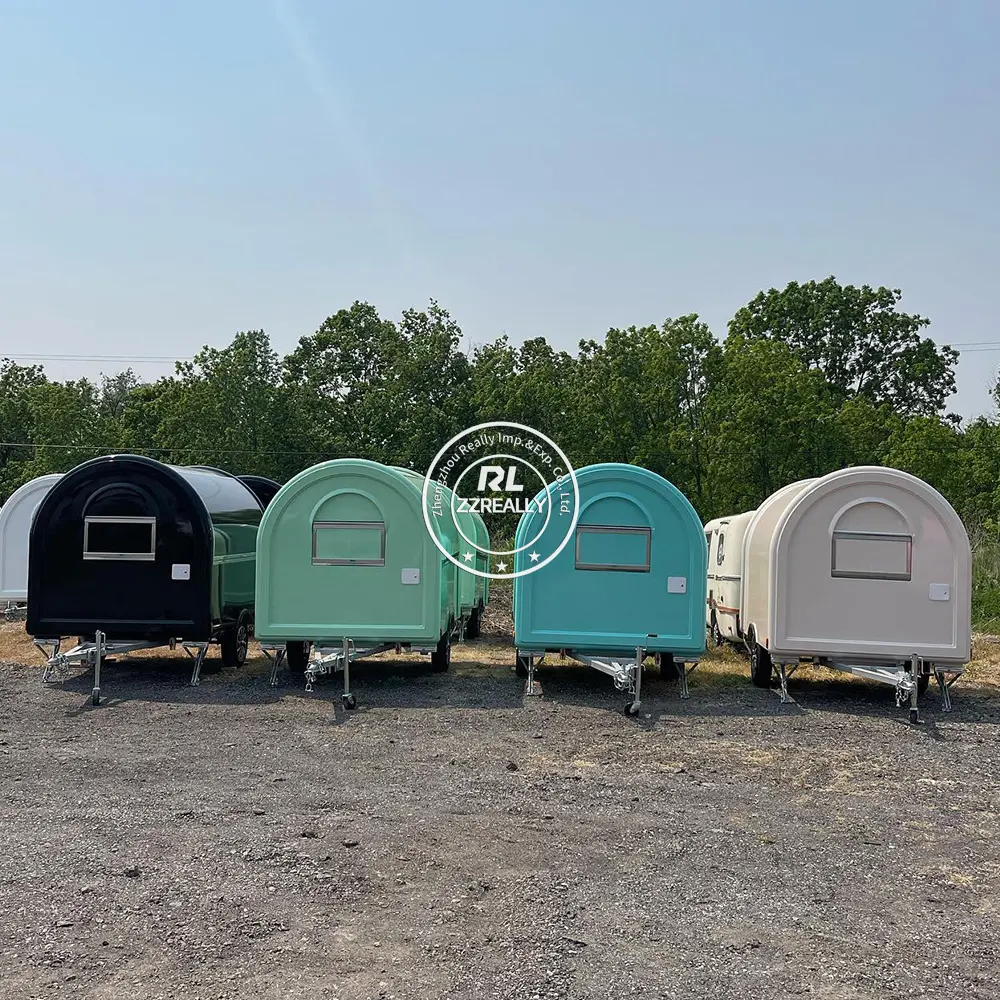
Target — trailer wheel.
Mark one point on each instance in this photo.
(923, 683)
(521, 666)
(297, 655)
(761, 667)
(235, 641)
(472, 625)
(441, 657)
(668, 669)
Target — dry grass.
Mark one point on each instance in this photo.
(718, 668)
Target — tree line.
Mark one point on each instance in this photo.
(807, 379)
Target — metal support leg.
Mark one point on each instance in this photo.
(276, 662)
(530, 687)
(945, 693)
(98, 652)
(50, 659)
(783, 678)
(640, 655)
(348, 699)
(914, 694)
(683, 677)
(199, 659)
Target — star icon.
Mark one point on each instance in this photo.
(502, 566)
(467, 557)
(534, 557)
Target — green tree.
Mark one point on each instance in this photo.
(16, 421)
(66, 427)
(932, 449)
(224, 408)
(342, 385)
(769, 422)
(641, 398)
(532, 385)
(431, 386)
(861, 431)
(858, 338)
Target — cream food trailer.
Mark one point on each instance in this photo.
(866, 570)
(725, 576)
(711, 527)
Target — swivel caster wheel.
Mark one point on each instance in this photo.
(631, 709)
(349, 701)
(95, 698)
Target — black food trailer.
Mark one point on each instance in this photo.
(129, 553)
(264, 489)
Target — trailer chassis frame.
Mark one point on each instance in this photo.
(626, 672)
(92, 654)
(902, 675)
(327, 660)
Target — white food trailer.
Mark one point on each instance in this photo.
(15, 528)
(867, 570)
(725, 574)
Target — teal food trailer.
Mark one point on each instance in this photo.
(347, 569)
(630, 582)
(472, 595)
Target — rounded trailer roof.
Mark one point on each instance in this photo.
(876, 475)
(221, 494)
(472, 523)
(392, 477)
(30, 488)
(591, 475)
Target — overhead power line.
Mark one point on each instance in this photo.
(970, 347)
(94, 357)
(197, 450)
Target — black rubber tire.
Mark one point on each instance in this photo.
(717, 637)
(235, 641)
(441, 657)
(669, 670)
(297, 657)
(348, 701)
(472, 625)
(521, 666)
(761, 667)
(923, 683)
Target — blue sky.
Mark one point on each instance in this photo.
(174, 171)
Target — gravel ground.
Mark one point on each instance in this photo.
(453, 837)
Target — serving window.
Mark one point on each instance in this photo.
(871, 555)
(130, 539)
(605, 547)
(348, 543)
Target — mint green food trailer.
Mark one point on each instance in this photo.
(474, 540)
(347, 569)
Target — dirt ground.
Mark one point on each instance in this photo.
(453, 837)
